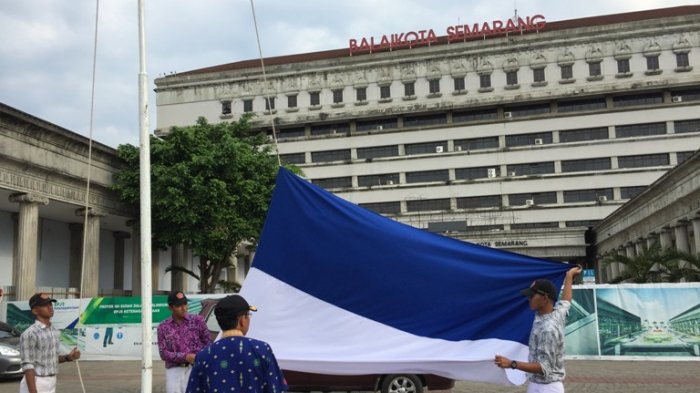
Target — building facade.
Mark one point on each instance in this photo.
(516, 140)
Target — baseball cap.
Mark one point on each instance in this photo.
(543, 287)
(232, 304)
(40, 299)
(177, 298)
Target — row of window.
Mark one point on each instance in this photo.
(485, 114)
(459, 83)
(528, 169)
(599, 195)
(461, 226)
(492, 142)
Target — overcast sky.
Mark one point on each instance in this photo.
(46, 46)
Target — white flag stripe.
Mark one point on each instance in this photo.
(311, 335)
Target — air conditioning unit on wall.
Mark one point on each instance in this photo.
(530, 202)
(602, 198)
(677, 99)
(439, 149)
(539, 141)
(492, 172)
(508, 115)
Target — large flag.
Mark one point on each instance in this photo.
(343, 290)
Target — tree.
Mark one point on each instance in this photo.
(211, 185)
(656, 264)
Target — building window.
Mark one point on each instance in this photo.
(588, 164)
(334, 182)
(483, 114)
(483, 172)
(594, 69)
(681, 127)
(587, 195)
(538, 75)
(337, 96)
(377, 151)
(270, 103)
(681, 156)
(378, 180)
(582, 223)
(426, 148)
(646, 129)
(535, 225)
(428, 205)
(652, 63)
(383, 207)
(540, 138)
(567, 72)
(294, 158)
(484, 81)
(476, 143)
(330, 155)
(427, 176)
(314, 98)
(512, 78)
(641, 161)
(361, 94)
(292, 101)
(581, 105)
(459, 83)
(330, 129)
(631, 192)
(409, 89)
(479, 201)
(623, 66)
(534, 168)
(537, 198)
(247, 106)
(638, 99)
(434, 86)
(385, 91)
(427, 120)
(682, 60)
(686, 95)
(530, 110)
(377, 125)
(291, 133)
(586, 134)
(225, 107)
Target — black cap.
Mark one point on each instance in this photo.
(543, 287)
(177, 298)
(232, 305)
(40, 299)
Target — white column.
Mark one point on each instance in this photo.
(178, 280)
(639, 246)
(24, 274)
(90, 273)
(652, 238)
(119, 237)
(665, 238)
(696, 234)
(681, 232)
(135, 258)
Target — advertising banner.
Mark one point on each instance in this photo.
(626, 321)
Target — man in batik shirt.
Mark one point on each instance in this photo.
(180, 337)
(545, 363)
(236, 363)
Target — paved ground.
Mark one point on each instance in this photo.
(583, 376)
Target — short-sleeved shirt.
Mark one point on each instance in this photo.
(236, 364)
(546, 344)
(177, 339)
(39, 346)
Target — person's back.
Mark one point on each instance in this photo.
(237, 364)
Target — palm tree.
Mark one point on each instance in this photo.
(682, 266)
(649, 266)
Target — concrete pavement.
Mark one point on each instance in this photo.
(583, 376)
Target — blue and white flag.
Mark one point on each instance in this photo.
(343, 290)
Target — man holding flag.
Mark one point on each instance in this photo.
(545, 365)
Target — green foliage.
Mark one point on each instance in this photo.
(211, 185)
(656, 265)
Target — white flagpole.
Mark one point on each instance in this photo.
(145, 217)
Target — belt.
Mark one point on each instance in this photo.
(181, 365)
(46, 376)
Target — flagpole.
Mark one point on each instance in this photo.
(145, 213)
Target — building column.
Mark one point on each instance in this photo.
(681, 232)
(75, 262)
(665, 238)
(90, 275)
(696, 234)
(155, 268)
(178, 280)
(24, 274)
(135, 258)
(639, 246)
(652, 238)
(629, 250)
(119, 237)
